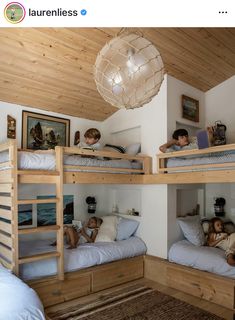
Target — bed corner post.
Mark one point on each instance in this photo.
(59, 211)
(147, 165)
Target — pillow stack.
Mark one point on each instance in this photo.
(116, 228)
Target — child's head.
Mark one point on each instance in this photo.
(181, 135)
(216, 225)
(92, 136)
(94, 222)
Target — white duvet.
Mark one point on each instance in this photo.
(17, 300)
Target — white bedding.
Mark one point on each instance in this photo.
(212, 158)
(203, 258)
(17, 300)
(86, 255)
(46, 161)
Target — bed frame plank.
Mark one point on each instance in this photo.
(5, 201)
(216, 176)
(205, 285)
(39, 229)
(5, 214)
(98, 178)
(6, 176)
(6, 253)
(37, 257)
(5, 188)
(6, 239)
(6, 227)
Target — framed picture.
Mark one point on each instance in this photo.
(11, 127)
(46, 212)
(190, 108)
(42, 132)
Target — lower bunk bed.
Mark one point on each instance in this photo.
(88, 268)
(18, 301)
(200, 271)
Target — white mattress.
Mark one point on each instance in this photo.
(46, 161)
(84, 256)
(17, 300)
(212, 158)
(203, 258)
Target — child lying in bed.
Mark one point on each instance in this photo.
(218, 238)
(88, 233)
(181, 141)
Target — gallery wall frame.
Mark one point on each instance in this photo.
(43, 132)
(190, 108)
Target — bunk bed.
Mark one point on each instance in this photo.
(12, 173)
(210, 165)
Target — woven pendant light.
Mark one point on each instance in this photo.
(128, 71)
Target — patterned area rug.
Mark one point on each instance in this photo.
(134, 303)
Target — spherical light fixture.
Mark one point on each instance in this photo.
(128, 71)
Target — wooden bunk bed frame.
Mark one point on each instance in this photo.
(11, 177)
(217, 173)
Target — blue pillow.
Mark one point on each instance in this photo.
(126, 228)
(192, 229)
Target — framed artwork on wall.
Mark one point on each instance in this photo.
(11, 127)
(46, 212)
(42, 132)
(190, 108)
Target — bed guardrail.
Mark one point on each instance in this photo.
(163, 157)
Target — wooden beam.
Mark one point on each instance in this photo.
(6, 253)
(6, 239)
(37, 257)
(59, 212)
(5, 201)
(39, 229)
(6, 227)
(6, 176)
(6, 214)
(5, 188)
(37, 179)
(37, 201)
(102, 178)
(6, 264)
(216, 176)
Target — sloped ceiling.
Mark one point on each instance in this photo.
(52, 68)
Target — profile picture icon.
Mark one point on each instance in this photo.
(14, 12)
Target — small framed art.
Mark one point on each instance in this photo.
(190, 108)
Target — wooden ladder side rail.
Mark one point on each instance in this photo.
(163, 157)
(59, 211)
(14, 206)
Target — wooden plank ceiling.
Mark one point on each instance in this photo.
(52, 68)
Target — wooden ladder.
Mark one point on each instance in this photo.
(11, 232)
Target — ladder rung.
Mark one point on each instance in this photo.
(38, 257)
(32, 201)
(39, 229)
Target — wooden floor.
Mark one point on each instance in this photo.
(211, 307)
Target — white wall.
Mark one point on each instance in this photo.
(16, 112)
(150, 128)
(220, 105)
(175, 90)
(80, 192)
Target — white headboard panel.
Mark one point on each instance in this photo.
(126, 136)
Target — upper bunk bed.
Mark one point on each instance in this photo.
(78, 165)
(58, 168)
(210, 165)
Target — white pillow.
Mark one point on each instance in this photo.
(192, 230)
(108, 229)
(133, 149)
